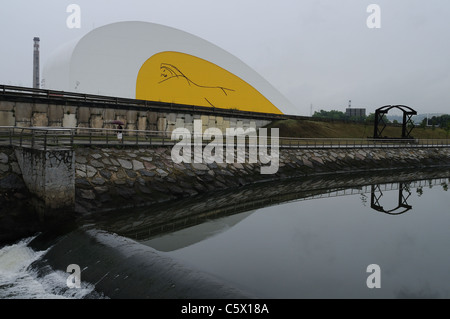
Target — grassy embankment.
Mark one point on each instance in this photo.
(318, 129)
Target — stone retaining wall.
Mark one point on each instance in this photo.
(71, 116)
(109, 178)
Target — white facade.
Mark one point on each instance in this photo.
(107, 61)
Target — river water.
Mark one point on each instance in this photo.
(318, 241)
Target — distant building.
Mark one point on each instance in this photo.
(352, 112)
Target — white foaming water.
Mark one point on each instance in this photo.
(18, 281)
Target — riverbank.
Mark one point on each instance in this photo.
(165, 218)
(110, 178)
(118, 260)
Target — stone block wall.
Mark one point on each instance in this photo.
(29, 114)
(109, 178)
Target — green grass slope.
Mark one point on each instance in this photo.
(319, 129)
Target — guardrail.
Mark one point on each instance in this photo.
(360, 142)
(8, 92)
(51, 137)
(55, 137)
(37, 138)
(61, 97)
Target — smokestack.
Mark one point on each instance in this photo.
(36, 68)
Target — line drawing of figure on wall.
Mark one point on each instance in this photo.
(169, 71)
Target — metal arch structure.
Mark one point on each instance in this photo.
(402, 206)
(380, 125)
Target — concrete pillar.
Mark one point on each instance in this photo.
(179, 123)
(23, 112)
(109, 115)
(50, 175)
(69, 120)
(132, 117)
(83, 116)
(39, 119)
(7, 118)
(55, 115)
(162, 124)
(142, 124)
(96, 121)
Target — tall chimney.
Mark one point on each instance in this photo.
(36, 63)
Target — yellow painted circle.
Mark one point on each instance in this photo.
(176, 77)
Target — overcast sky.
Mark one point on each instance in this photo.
(315, 52)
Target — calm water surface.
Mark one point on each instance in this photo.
(321, 248)
(316, 244)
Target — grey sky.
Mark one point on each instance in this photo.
(317, 52)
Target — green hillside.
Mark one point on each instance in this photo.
(319, 129)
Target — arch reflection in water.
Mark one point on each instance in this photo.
(403, 194)
(320, 248)
(171, 226)
(310, 237)
(175, 237)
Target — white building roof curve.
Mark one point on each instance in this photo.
(107, 60)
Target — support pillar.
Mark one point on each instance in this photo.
(50, 175)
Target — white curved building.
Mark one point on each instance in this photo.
(154, 62)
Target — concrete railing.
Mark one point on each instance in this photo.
(51, 137)
(61, 97)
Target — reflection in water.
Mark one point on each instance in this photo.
(404, 192)
(402, 206)
(194, 234)
(181, 237)
(310, 238)
(201, 211)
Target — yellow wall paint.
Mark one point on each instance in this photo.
(182, 78)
